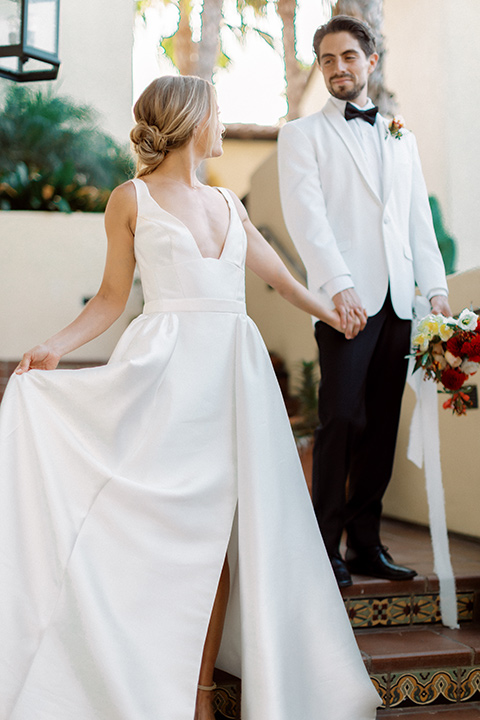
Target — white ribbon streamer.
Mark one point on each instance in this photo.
(424, 450)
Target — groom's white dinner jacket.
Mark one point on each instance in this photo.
(344, 222)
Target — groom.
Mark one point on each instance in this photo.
(356, 206)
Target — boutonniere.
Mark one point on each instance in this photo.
(396, 128)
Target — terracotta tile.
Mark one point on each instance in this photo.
(375, 586)
(411, 545)
(411, 649)
(433, 713)
(463, 581)
(466, 635)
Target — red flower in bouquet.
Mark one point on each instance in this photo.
(455, 344)
(453, 379)
(471, 348)
(448, 352)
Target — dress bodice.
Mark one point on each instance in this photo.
(170, 263)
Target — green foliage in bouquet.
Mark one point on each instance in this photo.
(54, 157)
(447, 350)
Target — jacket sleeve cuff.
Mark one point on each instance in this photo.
(337, 284)
(437, 291)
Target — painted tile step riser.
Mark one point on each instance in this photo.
(406, 609)
(458, 687)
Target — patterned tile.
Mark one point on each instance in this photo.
(381, 683)
(469, 683)
(369, 612)
(401, 611)
(422, 687)
(425, 609)
(359, 612)
(466, 606)
(404, 610)
(226, 703)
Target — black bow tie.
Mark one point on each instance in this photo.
(368, 115)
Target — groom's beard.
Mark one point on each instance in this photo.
(345, 93)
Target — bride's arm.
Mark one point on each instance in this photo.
(264, 262)
(109, 302)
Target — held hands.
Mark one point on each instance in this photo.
(38, 358)
(352, 314)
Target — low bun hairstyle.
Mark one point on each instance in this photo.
(167, 113)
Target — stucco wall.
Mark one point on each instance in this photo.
(240, 159)
(96, 40)
(433, 67)
(50, 262)
(285, 329)
(459, 443)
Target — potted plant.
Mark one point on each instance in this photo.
(54, 157)
(305, 420)
(57, 169)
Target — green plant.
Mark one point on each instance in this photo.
(446, 242)
(54, 157)
(306, 392)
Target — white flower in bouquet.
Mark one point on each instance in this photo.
(430, 325)
(421, 341)
(446, 330)
(467, 320)
(469, 367)
(438, 356)
(452, 360)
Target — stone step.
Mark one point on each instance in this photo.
(381, 603)
(472, 712)
(423, 665)
(433, 669)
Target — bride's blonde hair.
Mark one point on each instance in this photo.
(167, 113)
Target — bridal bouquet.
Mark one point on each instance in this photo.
(448, 351)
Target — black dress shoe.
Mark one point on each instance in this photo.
(342, 575)
(376, 562)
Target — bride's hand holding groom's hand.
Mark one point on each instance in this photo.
(352, 314)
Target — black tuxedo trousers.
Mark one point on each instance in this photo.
(360, 395)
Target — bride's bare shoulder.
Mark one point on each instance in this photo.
(124, 193)
(122, 204)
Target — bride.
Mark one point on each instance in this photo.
(154, 516)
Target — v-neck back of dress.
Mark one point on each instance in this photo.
(170, 262)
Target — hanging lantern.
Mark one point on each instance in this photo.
(29, 39)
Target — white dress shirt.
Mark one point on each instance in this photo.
(369, 140)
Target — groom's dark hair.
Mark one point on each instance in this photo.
(345, 23)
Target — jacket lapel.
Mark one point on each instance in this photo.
(388, 145)
(338, 122)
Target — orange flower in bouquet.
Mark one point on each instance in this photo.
(448, 351)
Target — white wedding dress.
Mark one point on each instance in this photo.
(123, 486)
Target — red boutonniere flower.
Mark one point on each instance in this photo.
(396, 128)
